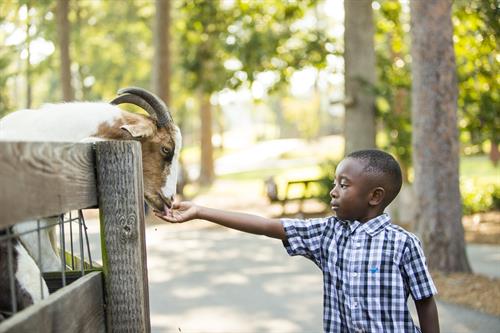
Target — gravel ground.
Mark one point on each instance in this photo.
(476, 291)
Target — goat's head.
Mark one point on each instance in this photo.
(160, 140)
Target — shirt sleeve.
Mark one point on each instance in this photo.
(304, 237)
(415, 270)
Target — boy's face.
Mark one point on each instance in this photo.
(351, 190)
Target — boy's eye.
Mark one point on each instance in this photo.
(342, 186)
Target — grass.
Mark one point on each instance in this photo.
(479, 169)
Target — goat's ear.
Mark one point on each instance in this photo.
(140, 130)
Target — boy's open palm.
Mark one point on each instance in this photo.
(180, 212)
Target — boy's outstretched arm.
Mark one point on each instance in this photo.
(185, 211)
(427, 315)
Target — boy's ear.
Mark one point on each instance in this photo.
(376, 196)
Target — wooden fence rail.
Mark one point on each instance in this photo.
(44, 179)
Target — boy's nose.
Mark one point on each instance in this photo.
(333, 193)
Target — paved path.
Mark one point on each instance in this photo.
(485, 259)
(208, 279)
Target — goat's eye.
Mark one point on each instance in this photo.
(167, 153)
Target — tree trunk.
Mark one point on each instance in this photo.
(161, 63)
(360, 76)
(207, 173)
(63, 30)
(435, 136)
(494, 153)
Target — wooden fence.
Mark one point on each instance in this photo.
(45, 179)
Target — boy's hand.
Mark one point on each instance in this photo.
(180, 212)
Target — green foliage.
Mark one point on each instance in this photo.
(226, 45)
(5, 61)
(394, 81)
(476, 28)
(496, 198)
(479, 184)
(477, 197)
(111, 46)
(203, 30)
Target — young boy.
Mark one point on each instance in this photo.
(369, 265)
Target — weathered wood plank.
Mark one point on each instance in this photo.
(43, 179)
(76, 308)
(121, 203)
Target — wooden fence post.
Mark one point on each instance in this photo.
(121, 200)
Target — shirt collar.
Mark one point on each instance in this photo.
(376, 224)
(371, 227)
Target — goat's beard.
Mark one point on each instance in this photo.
(156, 202)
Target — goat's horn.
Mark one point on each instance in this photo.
(136, 100)
(163, 116)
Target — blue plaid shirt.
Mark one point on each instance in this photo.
(369, 270)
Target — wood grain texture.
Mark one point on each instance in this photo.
(121, 200)
(43, 179)
(81, 302)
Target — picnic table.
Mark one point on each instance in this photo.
(294, 190)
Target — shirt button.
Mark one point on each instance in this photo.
(355, 274)
(355, 305)
(358, 244)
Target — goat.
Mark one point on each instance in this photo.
(26, 284)
(92, 121)
(160, 140)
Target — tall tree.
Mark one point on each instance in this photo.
(359, 62)
(63, 30)
(435, 136)
(161, 39)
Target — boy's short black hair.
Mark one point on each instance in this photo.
(381, 163)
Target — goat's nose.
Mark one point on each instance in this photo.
(167, 200)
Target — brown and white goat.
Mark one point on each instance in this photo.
(89, 121)
(160, 141)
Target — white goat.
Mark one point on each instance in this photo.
(160, 140)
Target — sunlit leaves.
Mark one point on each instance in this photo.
(258, 34)
(394, 80)
(476, 27)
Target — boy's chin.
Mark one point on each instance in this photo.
(340, 216)
(337, 215)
